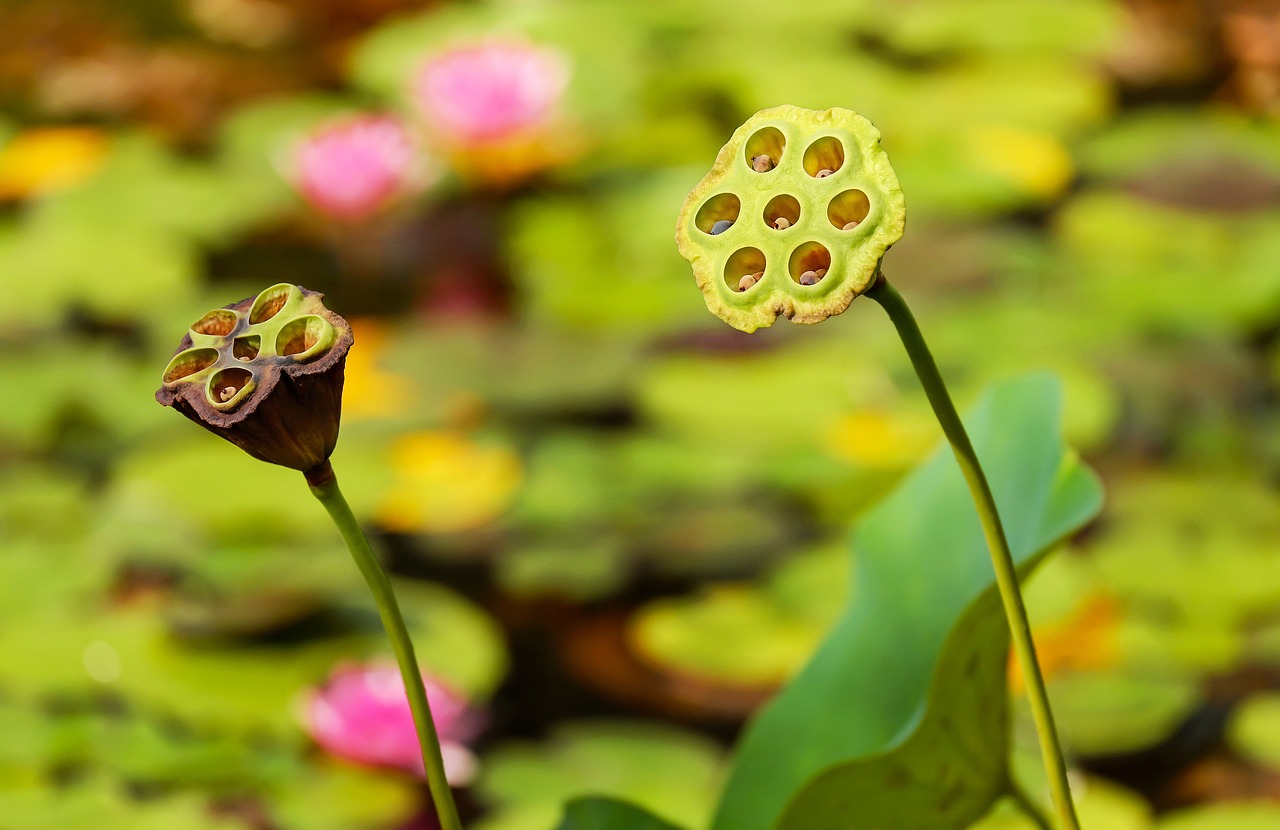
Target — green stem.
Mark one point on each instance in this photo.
(1001, 558)
(1029, 808)
(325, 488)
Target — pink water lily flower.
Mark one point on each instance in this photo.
(490, 91)
(362, 714)
(355, 167)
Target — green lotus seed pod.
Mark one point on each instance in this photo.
(266, 374)
(814, 204)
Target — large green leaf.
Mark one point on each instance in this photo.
(606, 814)
(669, 772)
(900, 720)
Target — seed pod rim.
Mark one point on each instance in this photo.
(855, 254)
(287, 408)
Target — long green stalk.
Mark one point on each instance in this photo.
(325, 488)
(1006, 572)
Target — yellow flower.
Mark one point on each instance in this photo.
(447, 483)
(1034, 162)
(882, 440)
(371, 391)
(52, 158)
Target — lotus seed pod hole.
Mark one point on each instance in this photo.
(764, 149)
(824, 157)
(720, 208)
(809, 263)
(246, 348)
(849, 209)
(782, 212)
(303, 337)
(218, 323)
(742, 263)
(226, 384)
(269, 303)
(188, 363)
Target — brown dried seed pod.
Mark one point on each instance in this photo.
(292, 414)
(762, 163)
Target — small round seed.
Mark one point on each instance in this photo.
(721, 226)
(748, 280)
(762, 163)
(849, 226)
(782, 223)
(809, 278)
(824, 172)
(820, 273)
(226, 393)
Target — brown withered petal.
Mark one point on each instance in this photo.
(290, 412)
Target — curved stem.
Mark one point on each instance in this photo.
(325, 488)
(1001, 558)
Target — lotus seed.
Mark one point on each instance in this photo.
(721, 226)
(762, 163)
(226, 394)
(849, 226)
(820, 273)
(824, 172)
(782, 223)
(809, 278)
(749, 280)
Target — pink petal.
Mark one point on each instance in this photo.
(362, 714)
(351, 169)
(490, 90)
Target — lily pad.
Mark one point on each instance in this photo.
(672, 773)
(1254, 729)
(331, 796)
(112, 270)
(1153, 140)
(746, 634)
(1246, 816)
(591, 264)
(1101, 714)
(88, 648)
(567, 568)
(1136, 261)
(1061, 27)
(728, 633)
(194, 200)
(102, 804)
(1169, 554)
(806, 388)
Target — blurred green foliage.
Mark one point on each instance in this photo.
(557, 446)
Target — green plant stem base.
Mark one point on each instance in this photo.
(325, 488)
(1006, 573)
